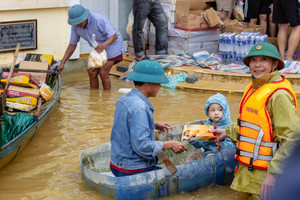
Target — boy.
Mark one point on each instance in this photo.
(217, 110)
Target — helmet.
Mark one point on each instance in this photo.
(77, 14)
(264, 49)
(148, 71)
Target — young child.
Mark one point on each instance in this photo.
(217, 110)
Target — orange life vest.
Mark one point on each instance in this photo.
(255, 146)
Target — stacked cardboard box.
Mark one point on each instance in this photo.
(190, 35)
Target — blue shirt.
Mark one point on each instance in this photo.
(100, 26)
(132, 136)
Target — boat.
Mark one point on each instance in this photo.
(217, 169)
(10, 150)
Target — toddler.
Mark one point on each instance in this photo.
(217, 110)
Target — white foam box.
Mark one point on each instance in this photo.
(193, 36)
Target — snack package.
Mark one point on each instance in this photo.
(97, 59)
(46, 92)
(197, 132)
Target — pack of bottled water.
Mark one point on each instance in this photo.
(234, 47)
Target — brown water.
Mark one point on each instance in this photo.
(48, 168)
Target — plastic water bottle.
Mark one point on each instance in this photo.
(265, 38)
(221, 43)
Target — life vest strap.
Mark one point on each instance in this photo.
(251, 155)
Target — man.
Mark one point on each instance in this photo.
(152, 9)
(287, 12)
(265, 132)
(133, 148)
(85, 25)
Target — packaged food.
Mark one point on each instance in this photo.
(197, 132)
(97, 59)
(46, 92)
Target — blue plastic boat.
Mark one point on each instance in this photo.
(212, 170)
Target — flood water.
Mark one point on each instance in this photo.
(48, 168)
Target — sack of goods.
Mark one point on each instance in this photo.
(22, 79)
(97, 59)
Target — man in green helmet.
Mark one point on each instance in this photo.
(265, 131)
(133, 148)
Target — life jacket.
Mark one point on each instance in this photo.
(255, 146)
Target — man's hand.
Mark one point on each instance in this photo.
(163, 127)
(100, 47)
(61, 66)
(175, 146)
(267, 187)
(220, 133)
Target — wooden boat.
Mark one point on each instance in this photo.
(10, 150)
(217, 169)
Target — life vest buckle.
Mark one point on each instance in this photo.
(250, 166)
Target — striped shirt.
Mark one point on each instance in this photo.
(99, 26)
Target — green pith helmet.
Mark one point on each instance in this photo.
(77, 14)
(264, 49)
(148, 71)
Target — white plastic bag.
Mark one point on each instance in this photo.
(238, 12)
(97, 59)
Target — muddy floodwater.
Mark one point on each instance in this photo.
(48, 168)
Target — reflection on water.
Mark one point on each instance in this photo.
(48, 167)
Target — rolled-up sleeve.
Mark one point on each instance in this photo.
(74, 39)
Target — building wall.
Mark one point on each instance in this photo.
(124, 10)
(51, 16)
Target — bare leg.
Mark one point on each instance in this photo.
(272, 26)
(293, 42)
(253, 21)
(223, 15)
(228, 14)
(93, 74)
(281, 39)
(104, 74)
(263, 22)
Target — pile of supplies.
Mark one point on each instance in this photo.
(25, 88)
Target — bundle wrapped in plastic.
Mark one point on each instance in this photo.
(97, 59)
(197, 132)
(46, 92)
(238, 12)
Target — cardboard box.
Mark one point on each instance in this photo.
(192, 15)
(22, 95)
(23, 79)
(39, 58)
(234, 26)
(41, 77)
